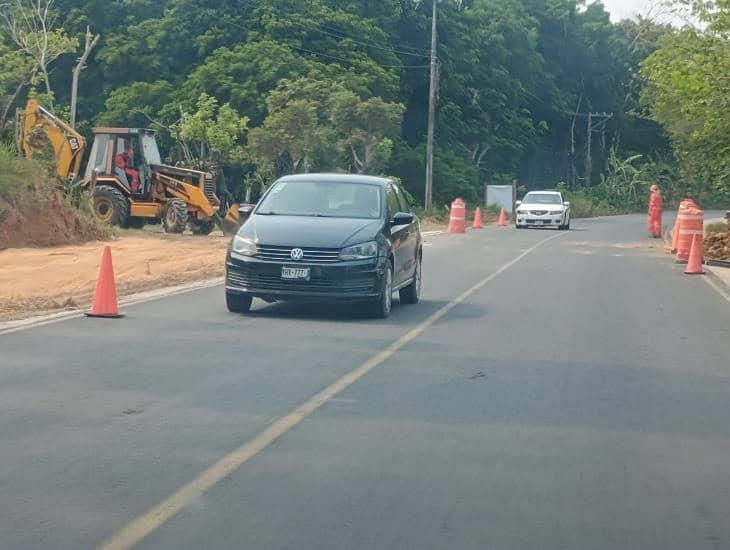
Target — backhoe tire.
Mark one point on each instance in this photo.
(176, 216)
(203, 228)
(110, 205)
(137, 223)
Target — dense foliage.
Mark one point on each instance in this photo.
(264, 87)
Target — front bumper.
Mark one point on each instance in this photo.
(546, 220)
(340, 281)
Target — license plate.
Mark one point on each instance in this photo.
(295, 273)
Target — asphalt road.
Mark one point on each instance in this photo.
(576, 397)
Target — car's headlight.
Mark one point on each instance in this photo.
(522, 212)
(362, 251)
(558, 212)
(244, 246)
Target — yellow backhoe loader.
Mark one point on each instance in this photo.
(175, 196)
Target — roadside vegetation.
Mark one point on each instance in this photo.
(531, 92)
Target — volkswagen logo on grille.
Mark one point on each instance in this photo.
(297, 254)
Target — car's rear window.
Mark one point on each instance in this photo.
(331, 199)
(542, 198)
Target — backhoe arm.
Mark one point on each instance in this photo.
(68, 145)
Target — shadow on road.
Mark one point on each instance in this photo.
(343, 312)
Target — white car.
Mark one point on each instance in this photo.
(543, 209)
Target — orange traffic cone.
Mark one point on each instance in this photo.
(105, 297)
(502, 218)
(675, 236)
(694, 266)
(478, 222)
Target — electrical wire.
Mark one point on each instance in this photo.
(350, 60)
(343, 36)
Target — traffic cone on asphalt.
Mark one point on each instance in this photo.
(502, 218)
(694, 266)
(105, 296)
(478, 222)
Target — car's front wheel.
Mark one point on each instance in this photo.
(384, 302)
(238, 303)
(412, 293)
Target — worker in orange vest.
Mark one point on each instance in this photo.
(656, 205)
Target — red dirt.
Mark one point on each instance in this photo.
(44, 219)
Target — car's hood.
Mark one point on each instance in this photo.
(542, 207)
(304, 231)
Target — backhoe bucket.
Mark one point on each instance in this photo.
(231, 221)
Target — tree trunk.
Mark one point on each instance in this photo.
(11, 102)
(47, 81)
(89, 45)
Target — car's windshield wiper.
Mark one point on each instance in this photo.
(269, 213)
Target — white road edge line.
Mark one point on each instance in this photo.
(154, 518)
(710, 280)
(9, 327)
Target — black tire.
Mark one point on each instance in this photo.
(110, 205)
(176, 216)
(203, 228)
(412, 293)
(384, 303)
(137, 223)
(238, 303)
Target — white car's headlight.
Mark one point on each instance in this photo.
(244, 246)
(522, 212)
(362, 251)
(558, 212)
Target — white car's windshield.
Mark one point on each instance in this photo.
(542, 198)
(330, 199)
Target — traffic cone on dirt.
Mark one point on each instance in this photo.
(502, 218)
(694, 266)
(478, 222)
(105, 296)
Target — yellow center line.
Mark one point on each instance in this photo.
(157, 516)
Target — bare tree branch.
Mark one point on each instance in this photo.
(89, 44)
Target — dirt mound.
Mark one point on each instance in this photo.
(43, 217)
(717, 246)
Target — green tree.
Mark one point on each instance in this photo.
(31, 27)
(689, 94)
(213, 133)
(366, 129)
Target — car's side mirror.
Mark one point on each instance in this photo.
(518, 203)
(567, 204)
(244, 211)
(402, 218)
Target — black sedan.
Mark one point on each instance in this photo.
(327, 236)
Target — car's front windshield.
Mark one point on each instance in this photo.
(330, 199)
(542, 198)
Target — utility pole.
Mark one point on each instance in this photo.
(599, 126)
(589, 147)
(431, 111)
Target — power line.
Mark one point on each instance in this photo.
(350, 61)
(343, 36)
(344, 60)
